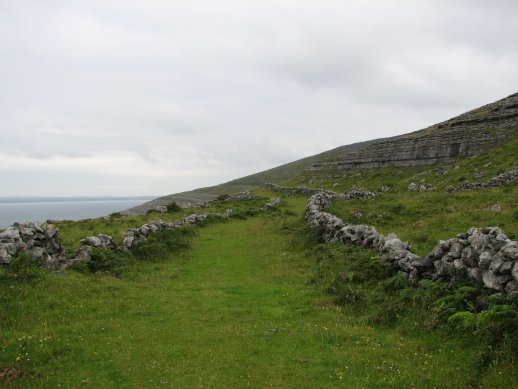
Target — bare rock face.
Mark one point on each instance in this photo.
(462, 136)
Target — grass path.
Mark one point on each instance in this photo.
(235, 311)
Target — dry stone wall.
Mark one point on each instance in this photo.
(134, 236)
(352, 194)
(486, 255)
(42, 242)
(498, 180)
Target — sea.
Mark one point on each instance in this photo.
(41, 209)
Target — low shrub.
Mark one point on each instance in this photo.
(346, 294)
(150, 250)
(161, 245)
(103, 260)
(462, 299)
(172, 207)
(465, 321)
(395, 283)
(22, 267)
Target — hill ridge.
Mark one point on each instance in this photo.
(467, 134)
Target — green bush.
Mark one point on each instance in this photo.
(223, 197)
(150, 250)
(395, 283)
(289, 212)
(389, 312)
(462, 321)
(463, 299)
(161, 245)
(103, 260)
(22, 267)
(497, 322)
(172, 207)
(346, 294)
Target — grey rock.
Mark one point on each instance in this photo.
(27, 232)
(456, 250)
(423, 263)
(93, 241)
(514, 272)
(499, 241)
(511, 286)
(10, 248)
(424, 187)
(478, 241)
(484, 260)
(475, 274)
(496, 265)
(128, 241)
(413, 277)
(493, 281)
(412, 186)
(37, 252)
(509, 251)
(10, 233)
(5, 257)
(494, 208)
(459, 264)
(161, 208)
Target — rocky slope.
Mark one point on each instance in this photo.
(183, 200)
(463, 136)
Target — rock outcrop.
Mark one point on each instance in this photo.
(465, 135)
(486, 255)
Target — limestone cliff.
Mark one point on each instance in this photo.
(463, 136)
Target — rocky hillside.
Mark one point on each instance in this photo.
(468, 134)
(186, 200)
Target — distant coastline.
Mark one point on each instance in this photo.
(40, 209)
(56, 199)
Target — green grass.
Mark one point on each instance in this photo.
(72, 232)
(236, 309)
(425, 218)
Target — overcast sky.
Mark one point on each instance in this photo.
(157, 97)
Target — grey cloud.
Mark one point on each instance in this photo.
(188, 94)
